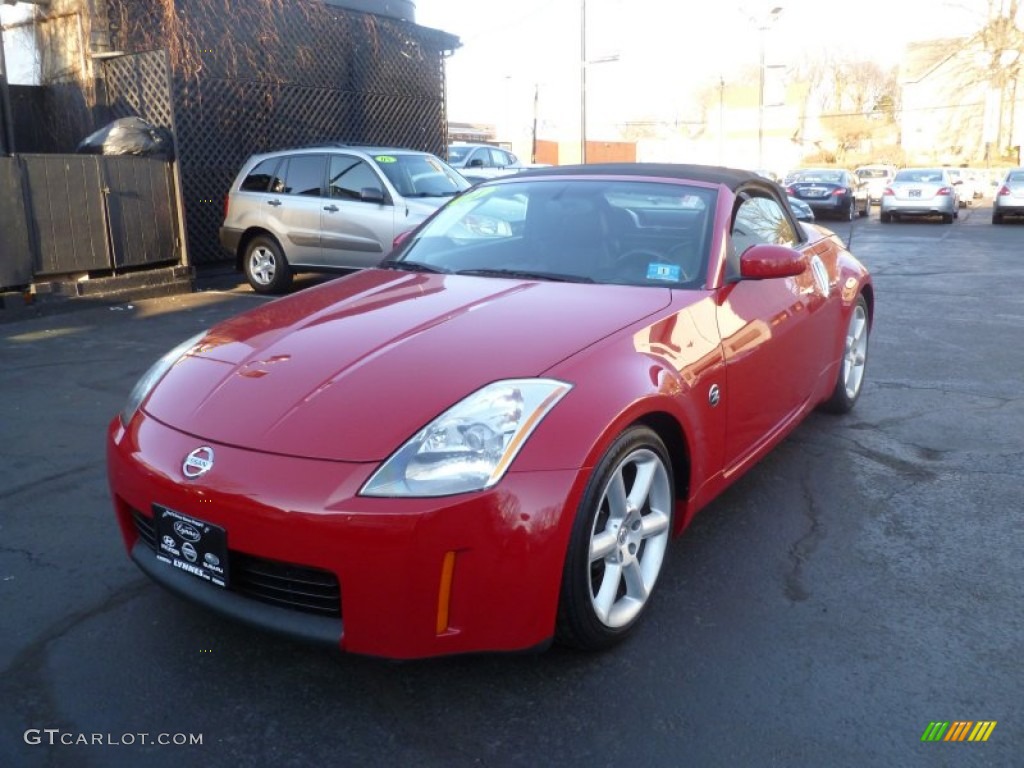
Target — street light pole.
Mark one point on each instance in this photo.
(763, 26)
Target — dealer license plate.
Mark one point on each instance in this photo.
(194, 546)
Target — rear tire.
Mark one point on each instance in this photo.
(866, 210)
(618, 542)
(997, 218)
(947, 218)
(884, 217)
(265, 266)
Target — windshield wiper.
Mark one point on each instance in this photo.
(412, 266)
(525, 275)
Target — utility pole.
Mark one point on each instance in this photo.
(583, 81)
(536, 99)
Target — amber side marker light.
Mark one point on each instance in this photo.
(444, 593)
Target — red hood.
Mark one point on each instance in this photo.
(351, 369)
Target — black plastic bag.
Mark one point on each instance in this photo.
(129, 136)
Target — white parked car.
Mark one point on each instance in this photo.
(1009, 198)
(920, 192)
(967, 187)
(478, 162)
(876, 177)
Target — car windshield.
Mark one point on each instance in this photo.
(582, 230)
(415, 175)
(457, 153)
(830, 177)
(872, 173)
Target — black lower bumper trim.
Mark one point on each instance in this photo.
(320, 630)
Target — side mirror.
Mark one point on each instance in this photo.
(400, 238)
(476, 162)
(372, 195)
(764, 261)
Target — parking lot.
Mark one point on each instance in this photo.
(860, 583)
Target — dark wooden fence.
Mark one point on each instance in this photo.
(74, 214)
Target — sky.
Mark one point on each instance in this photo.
(647, 57)
(661, 51)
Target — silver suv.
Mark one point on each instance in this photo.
(328, 207)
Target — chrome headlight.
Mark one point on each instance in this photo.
(156, 372)
(470, 446)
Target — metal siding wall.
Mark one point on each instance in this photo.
(15, 246)
(140, 204)
(66, 207)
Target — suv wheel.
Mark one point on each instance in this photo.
(265, 266)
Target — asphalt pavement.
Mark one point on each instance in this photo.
(861, 583)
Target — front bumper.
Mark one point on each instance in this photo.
(416, 577)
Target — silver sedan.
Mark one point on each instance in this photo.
(1009, 198)
(920, 192)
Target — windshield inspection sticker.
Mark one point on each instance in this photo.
(669, 272)
(386, 159)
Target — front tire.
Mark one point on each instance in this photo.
(265, 266)
(854, 360)
(618, 542)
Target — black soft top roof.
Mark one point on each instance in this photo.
(733, 178)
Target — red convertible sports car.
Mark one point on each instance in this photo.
(487, 442)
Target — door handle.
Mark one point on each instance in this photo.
(274, 203)
(332, 208)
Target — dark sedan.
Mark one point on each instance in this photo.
(830, 192)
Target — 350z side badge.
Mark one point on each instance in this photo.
(714, 395)
(198, 463)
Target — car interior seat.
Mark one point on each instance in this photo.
(569, 234)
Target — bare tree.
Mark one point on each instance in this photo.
(992, 61)
(1002, 39)
(854, 101)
